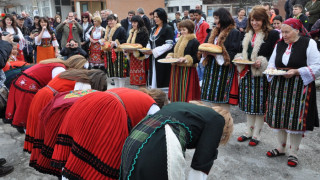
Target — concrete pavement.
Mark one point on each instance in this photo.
(236, 161)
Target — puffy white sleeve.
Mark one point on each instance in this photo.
(153, 109)
(312, 70)
(82, 86)
(272, 62)
(88, 33)
(199, 175)
(158, 51)
(57, 70)
(22, 40)
(55, 43)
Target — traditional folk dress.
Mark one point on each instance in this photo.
(292, 102)
(13, 72)
(253, 86)
(184, 82)
(155, 147)
(220, 78)
(96, 57)
(96, 135)
(40, 100)
(25, 86)
(116, 61)
(51, 117)
(46, 46)
(138, 62)
(161, 43)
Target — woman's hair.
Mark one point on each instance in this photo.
(48, 24)
(228, 126)
(162, 15)
(187, 24)
(240, 9)
(260, 14)
(279, 18)
(75, 62)
(95, 77)
(14, 24)
(87, 15)
(98, 19)
(139, 20)
(112, 17)
(159, 96)
(276, 11)
(225, 18)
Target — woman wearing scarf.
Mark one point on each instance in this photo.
(116, 63)
(220, 78)
(258, 45)
(156, 146)
(138, 35)
(184, 83)
(292, 107)
(94, 34)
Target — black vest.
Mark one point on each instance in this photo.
(298, 57)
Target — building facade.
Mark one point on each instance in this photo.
(173, 6)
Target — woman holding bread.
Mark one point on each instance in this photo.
(258, 44)
(115, 35)
(292, 106)
(184, 82)
(220, 78)
(138, 35)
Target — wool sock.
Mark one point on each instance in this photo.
(295, 140)
(258, 126)
(282, 140)
(250, 124)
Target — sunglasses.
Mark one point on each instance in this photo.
(84, 17)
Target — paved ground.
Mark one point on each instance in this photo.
(236, 161)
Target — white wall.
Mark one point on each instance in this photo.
(180, 3)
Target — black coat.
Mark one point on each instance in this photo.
(147, 23)
(162, 69)
(5, 51)
(83, 36)
(73, 51)
(192, 50)
(267, 47)
(104, 23)
(120, 34)
(124, 23)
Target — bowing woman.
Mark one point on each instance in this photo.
(292, 106)
(161, 43)
(220, 78)
(258, 45)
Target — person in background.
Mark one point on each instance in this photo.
(175, 22)
(177, 32)
(288, 9)
(313, 12)
(152, 23)
(297, 14)
(28, 50)
(20, 24)
(267, 7)
(104, 15)
(241, 21)
(35, 23)
(126, 23)
(72, 48)
(185, 15)
(140, 12)
(27, 20)
(86, 25)
(57, 21)
(191, 14)
(76, 17)
(301, 2)
(199, 7)
(277, 23)
(70, 29)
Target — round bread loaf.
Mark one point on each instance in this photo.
(208, 47)
(129, 46)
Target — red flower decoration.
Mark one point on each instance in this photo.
(3, 14)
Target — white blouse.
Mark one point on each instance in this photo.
(308, 73)
(96, 34)
(219, 57)
(45, 35)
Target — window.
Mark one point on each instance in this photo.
(57, 2)
(84, 7)
(211, 9)
(185, 8)
(173, 9)
(58, 10)
(66, 2)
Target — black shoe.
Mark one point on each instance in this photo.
(20, 129)
(112, 82)
(4, 170)
(2, 161)
(7, 121)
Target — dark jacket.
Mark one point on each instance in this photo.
(147, 23)
(5, 51)
(84, 31)
(192, 50)
(28, 23)
(24, 30)
(166, 35)
(288, 9)
(104, 23)
(73, 51)
(124, 23)
(305, 20)
(120, 35)
(314, 11)
(267, 47)
(301, 2)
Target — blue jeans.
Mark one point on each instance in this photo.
(200, 70)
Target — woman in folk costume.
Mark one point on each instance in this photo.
(220, 78)
(66, 81)
(116, 62)
(138, 63)
(28, 82)
(156, 146)
(258, 44)
(94, 34)
(292, 106)
(96, 137)
(95, 79)
(47, 44)
(161, 43)
(184, 82)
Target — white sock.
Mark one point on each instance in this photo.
(251, 119)
(295, 140)
(258, 126)
(282, 140)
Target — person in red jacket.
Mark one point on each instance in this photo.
(201, 26)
